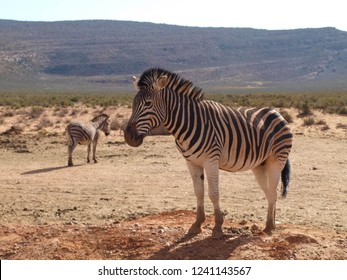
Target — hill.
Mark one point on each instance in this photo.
(103, 55)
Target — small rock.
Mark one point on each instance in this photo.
(255, 227)
(232, 239)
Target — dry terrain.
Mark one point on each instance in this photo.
(139, 203)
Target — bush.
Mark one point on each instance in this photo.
(44, 122)
(304, 109)
(286, 116)
(115, 124)
(342, 110)
(325, 127)
(321, 122)
(309, 121)
(36, 111)
(63, 112)
(341, 126)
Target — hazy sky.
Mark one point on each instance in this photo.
(264, 14)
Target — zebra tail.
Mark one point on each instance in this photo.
(286, 173)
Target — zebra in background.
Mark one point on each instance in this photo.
(211, 136)
(86, 134)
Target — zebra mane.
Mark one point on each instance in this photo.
(102, 117)
(175, 82)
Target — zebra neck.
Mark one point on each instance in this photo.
(182, 113)
(97, 124)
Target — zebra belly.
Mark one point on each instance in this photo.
(230, 162)
(223, 162)
(240, 162)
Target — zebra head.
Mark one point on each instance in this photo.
(103, 121)
(105, 127)
(148, 110)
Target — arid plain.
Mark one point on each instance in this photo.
(138, 203)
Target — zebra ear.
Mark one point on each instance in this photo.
(161, 82)
(135, 80)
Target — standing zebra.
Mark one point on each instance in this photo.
(86, 134)
(211, 136)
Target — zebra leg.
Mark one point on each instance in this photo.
(212, 172)
(88, 153)
(71, 147)
(268, 176)
(197, 174)
(94, 150)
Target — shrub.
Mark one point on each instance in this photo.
(325, 127)
(304, 109)
(35, 112)
(309, 121)
(342, 110)
(45, 122)
(63, 112)
(286, 116)
(8, 114)
(115, 124)
(74, 112)
(341, 125)
(321, 122)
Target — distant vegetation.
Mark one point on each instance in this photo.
(329, 102)
(63, 100)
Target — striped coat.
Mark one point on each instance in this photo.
(212, 136)
(86, 134)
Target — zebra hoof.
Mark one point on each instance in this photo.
(268, 231)
(70, 164)
(194, 230)
(217, 234)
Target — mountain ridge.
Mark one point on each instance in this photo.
(103, 54)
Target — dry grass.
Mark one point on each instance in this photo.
(309, 121)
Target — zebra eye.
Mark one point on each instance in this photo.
(148, 103)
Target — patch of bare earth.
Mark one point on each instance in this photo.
(162, 236)
(139, 203)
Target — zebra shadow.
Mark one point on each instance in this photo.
(48, 169)
(184, 249)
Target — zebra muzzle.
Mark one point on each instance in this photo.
(132, 137)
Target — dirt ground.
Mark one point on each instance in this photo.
(138, 203)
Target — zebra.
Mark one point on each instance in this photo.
(86, 134)
(211, 136)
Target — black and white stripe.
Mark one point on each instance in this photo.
(86, 134)
(212, 136)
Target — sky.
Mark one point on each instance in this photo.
(261, 14)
